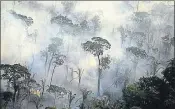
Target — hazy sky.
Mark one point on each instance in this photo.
(17, 48)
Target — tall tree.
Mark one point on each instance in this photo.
(57, 62)
(97, 47)
(136, 55)
(51, 53)
(53, 49)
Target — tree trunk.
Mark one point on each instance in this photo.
(67, 71)
(37, 107)
(45, 64)
(79, 77)
(50, 64)
(15, 87)
(5, 105)
(138, 6)
(52, 74)
(79, 81)
(55, 100)
(72, 74)
(135, 69)
(82, 105)
(99, 75)
(43, 87)
(8, 85)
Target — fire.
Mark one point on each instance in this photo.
(35, 92)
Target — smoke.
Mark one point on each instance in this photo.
(16, 47)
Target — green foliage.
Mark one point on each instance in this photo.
(169, 73)
(96, 46)
(104, 103)
(14, 72)
(152, 92)
(131, 95)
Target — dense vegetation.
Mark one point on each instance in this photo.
(147, 41)
(149, 92)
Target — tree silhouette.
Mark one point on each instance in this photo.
(152, 92)
(57, 62)
(14, 74)
(136, 55)
(97, 47)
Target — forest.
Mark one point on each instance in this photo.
(87, 55)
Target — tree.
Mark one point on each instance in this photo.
(147, 93)
(71, 97)
(37, 94)
(7, 97)
(53, 49)
(169, 77)
(36, 100)
(154, 66)
(57, 62)
(96, 24)
(79, 72)
(51, 53)
(28, 21)
(85, 94)
(152, 92)
(45, 55)
(14, 74)
(136, 54)
(58, 92)
(162, 15)
(97, 47)
(123, 34)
